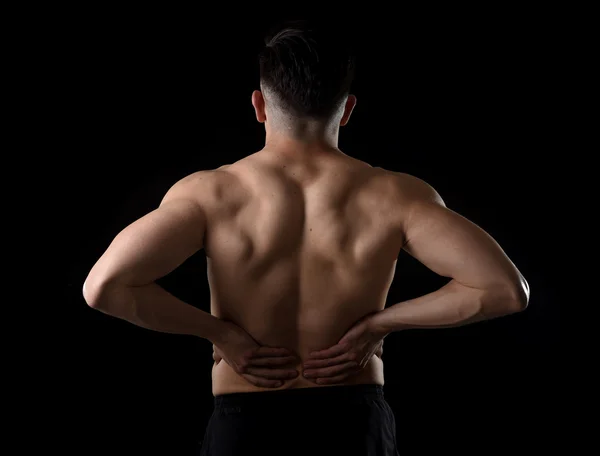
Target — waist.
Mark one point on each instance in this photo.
(226, 381)
(346, 394)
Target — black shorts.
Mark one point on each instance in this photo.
(331, 420)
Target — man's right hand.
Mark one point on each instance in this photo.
(350, 355)
(267, 367)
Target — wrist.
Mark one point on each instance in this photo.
(215, 330)
(376, 324)
(382, 323)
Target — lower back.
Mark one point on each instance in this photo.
(225, 380)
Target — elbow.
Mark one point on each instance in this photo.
(517, 296)
(95, 293)
(505, 299)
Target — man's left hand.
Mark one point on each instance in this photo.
(260, 365)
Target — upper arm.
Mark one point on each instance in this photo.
(157, 243)
(453, 246)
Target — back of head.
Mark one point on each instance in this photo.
(306, 69)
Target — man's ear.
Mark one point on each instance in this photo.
(350, 104)
(258, 101)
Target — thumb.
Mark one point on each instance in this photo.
(379, 351)
(217, 354)
(351, 334)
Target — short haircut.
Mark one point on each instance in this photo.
(308, 67)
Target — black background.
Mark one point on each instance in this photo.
(459, 100)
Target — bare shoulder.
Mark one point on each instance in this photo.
(205, 187)
(411, 189)
(404, 198)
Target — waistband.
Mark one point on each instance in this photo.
(328, 394)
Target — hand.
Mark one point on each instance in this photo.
(349, 356)
(261, 366)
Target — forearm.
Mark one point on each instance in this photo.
(452, 305)
(152, 307)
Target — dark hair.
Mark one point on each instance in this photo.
(308, 67)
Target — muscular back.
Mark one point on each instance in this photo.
(299, 250)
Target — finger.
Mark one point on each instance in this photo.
(279, 361)
(333, 380)
(262, 382)
(331, 371)
(330, 352)
(318, 363)
(270, 351)
(280, 374)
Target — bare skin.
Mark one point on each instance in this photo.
(317, 253)
(302, 243)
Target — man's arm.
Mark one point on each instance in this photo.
(485, 283)
(122, 284)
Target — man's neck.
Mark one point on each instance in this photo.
(302, 139)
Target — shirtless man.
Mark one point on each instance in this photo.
(301, 242)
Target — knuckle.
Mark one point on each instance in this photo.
(352, 356)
